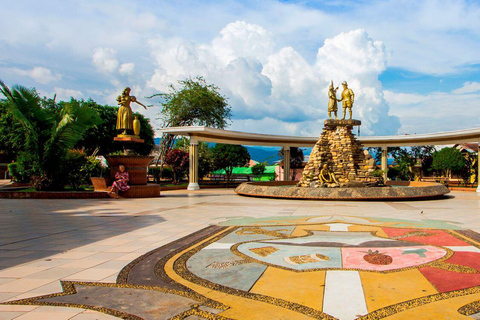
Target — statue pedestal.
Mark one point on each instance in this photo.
(128, 139)
(342, 123)
(137, 168)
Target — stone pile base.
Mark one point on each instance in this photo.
(412, 191)
(344, 156)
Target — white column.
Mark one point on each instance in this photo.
(193, 168)
(286, 163)
(384, 162)
(478, 163)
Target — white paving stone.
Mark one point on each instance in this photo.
(344, 297)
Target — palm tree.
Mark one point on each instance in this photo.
(48, 132)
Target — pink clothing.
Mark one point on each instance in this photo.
(121, 180)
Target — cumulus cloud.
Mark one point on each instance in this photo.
(39, 74)
(468, 87)
(265, 81)
(356, 58)
(242, 39)
(432, 112)
(105, 59)
(66, 94)
(126, 68)
(274, 82)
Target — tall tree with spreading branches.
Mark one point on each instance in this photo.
(195, 103)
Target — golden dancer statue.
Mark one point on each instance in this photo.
(125, 115)
(332, 101)
(347, 98)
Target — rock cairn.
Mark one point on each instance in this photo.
(344, 155)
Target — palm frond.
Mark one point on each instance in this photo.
(74, 122)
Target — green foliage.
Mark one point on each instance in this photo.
(23, 169)
(227, 156)
(196, 103)
(448, 160)
(405, 162)
(205, 160)
(70, 172)
(377, 173)
(48, 132)
(93, 167)
(101, 136)
(166, 173)
(159, 173)
(393, 173)
(469, 172)
(11, 133)
(258, 169)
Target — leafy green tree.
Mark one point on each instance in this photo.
(195, 103)
(405, 159)
(228, 156)
(448, 160)
(258, 170)
(48, 134)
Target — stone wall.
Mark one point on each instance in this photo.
(344, 155)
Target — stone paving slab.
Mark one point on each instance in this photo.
(40, 237)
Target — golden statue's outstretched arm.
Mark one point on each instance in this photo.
(141, 104)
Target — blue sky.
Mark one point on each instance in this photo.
(413, 65)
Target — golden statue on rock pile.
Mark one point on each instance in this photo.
(332, 101)
(125, 115)
(347, 98)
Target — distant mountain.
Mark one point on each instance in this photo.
(263, 154)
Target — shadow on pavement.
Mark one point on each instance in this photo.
(35, 229)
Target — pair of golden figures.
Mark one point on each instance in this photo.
(347, 98)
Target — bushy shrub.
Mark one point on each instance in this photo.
(71, 170)
(179, 161)
(25, 167)
(258, 170)
(393, 173)
(166, 173)
(93, 167)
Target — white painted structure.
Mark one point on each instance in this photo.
(205, 134)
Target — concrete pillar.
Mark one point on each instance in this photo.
(384, 162)
(286, 163)
(193, 168)
(478, 163)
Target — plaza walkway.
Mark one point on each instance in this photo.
(45, 241)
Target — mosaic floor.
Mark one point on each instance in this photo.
(295, 267)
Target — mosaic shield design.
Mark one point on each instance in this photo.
(341, 250)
